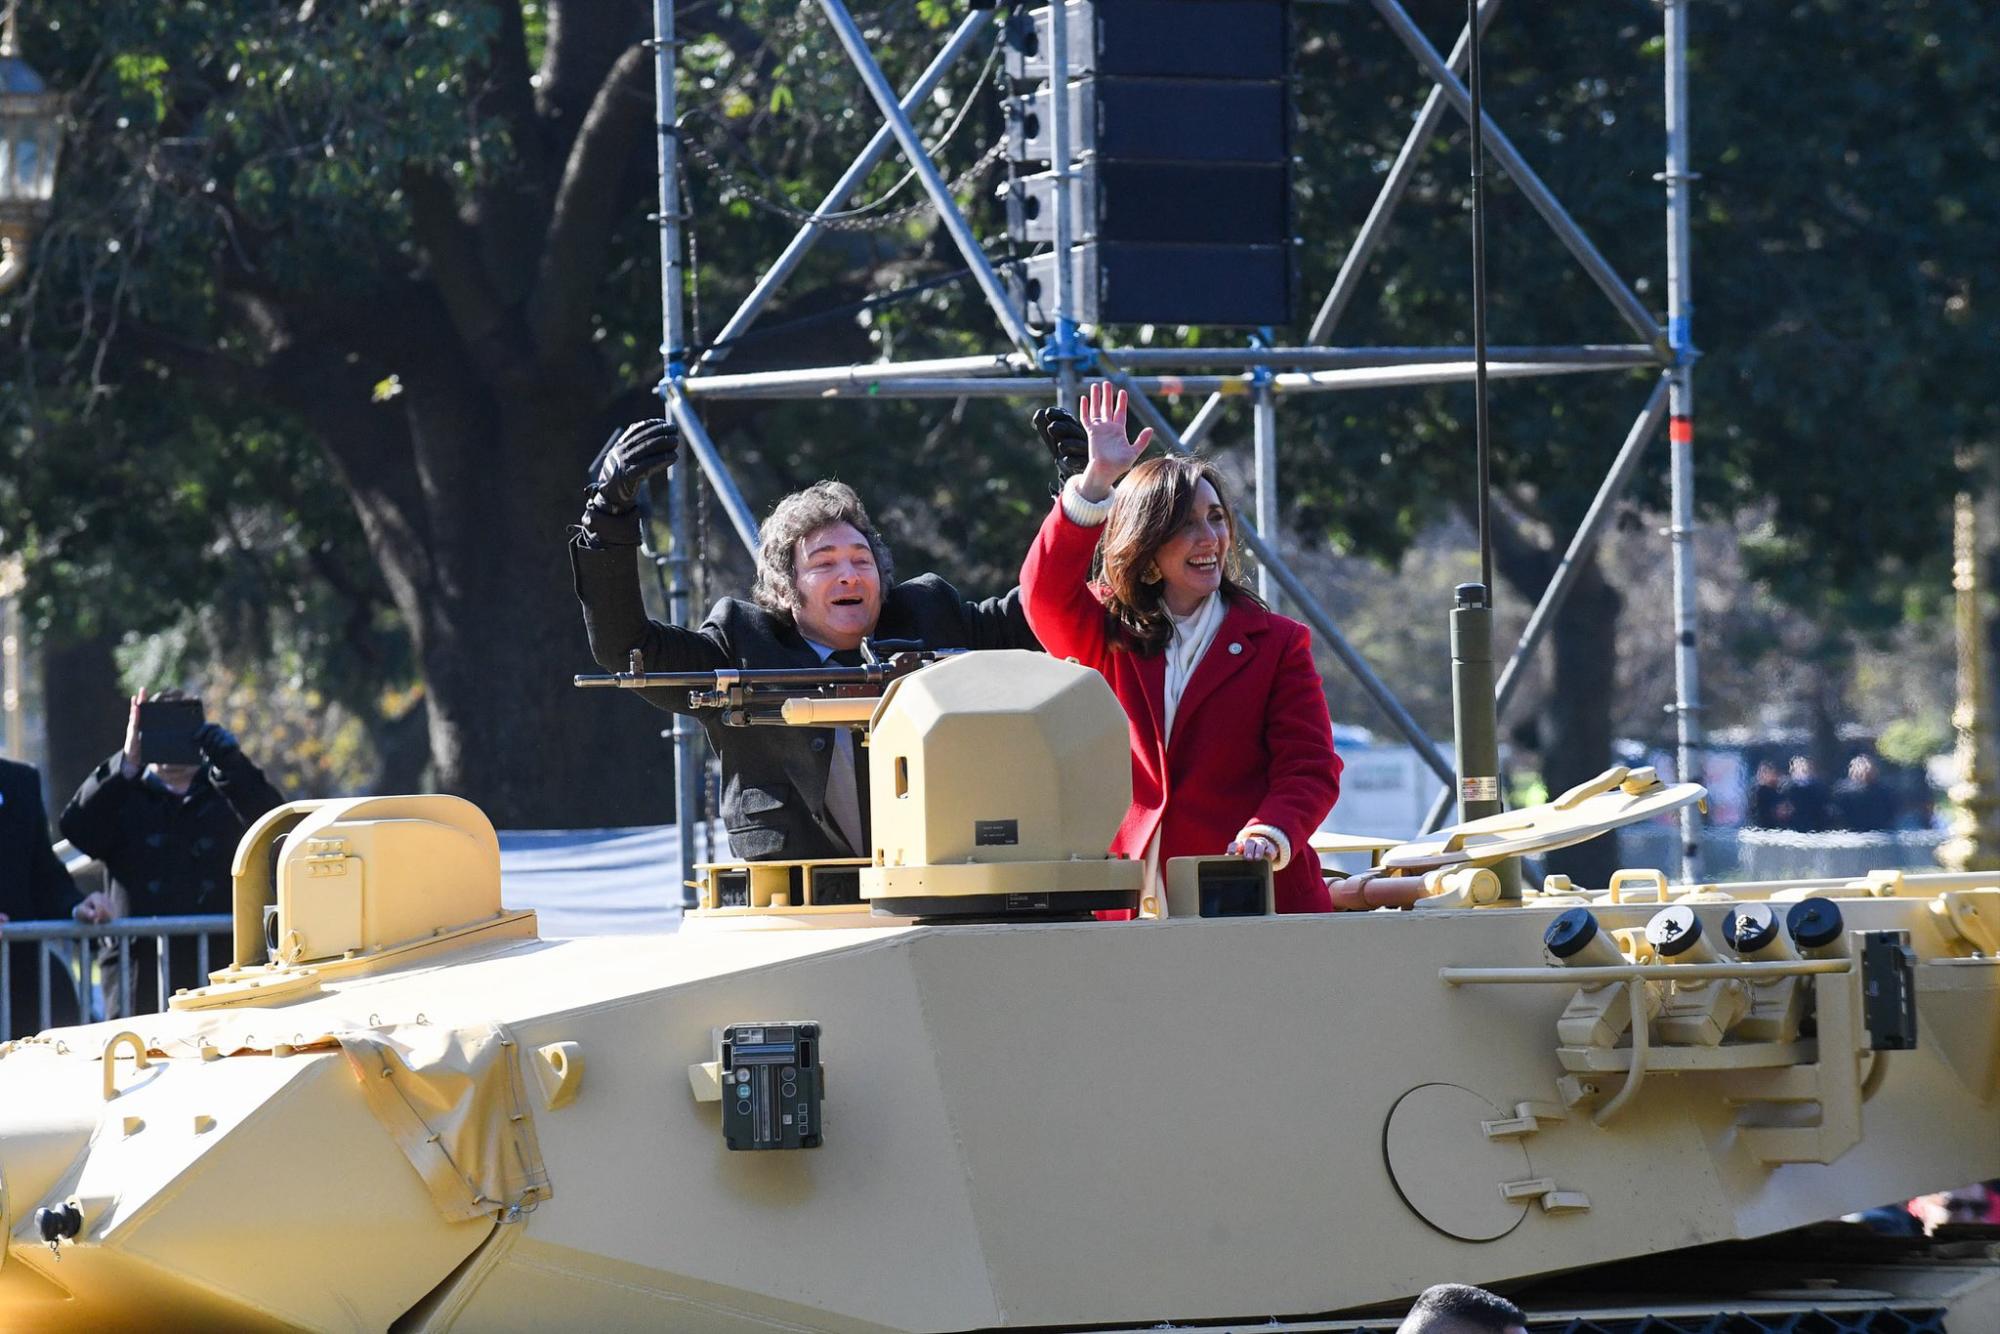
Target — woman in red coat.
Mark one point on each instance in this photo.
(1232, 747)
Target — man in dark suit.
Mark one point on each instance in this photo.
(33, 887)
(824, 583)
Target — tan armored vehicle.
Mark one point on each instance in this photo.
(983, 1107)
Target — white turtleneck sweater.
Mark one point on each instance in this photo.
(1190, 640)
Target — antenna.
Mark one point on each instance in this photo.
(1475, 721)
(1481, 427)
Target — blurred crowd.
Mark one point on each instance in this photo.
(1798, 798)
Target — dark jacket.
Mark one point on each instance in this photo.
(1864, 806)
(170, 854)
(773, 778)
(33, 887)
(1804, 805)
(33, 884)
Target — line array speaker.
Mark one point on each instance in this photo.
(1180, 183)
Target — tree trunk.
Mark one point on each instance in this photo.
(466, 481)
(1829, 674)
(496, 623)
(1576, 721)
(1575, 724)
(84, 708)
(402, 750)
(508, 729)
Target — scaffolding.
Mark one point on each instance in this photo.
(1050, 367)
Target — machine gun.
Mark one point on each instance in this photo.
(823, 696)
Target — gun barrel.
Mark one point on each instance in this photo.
(769, 677)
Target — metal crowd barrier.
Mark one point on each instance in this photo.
(65, 945)
(1745, 853)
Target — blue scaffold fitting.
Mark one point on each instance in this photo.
(1680, 338)
(1063, 345)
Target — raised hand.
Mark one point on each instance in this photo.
(1111, 453)
(129, 760)
(628, 458)
(214, 740)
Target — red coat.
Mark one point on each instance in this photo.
(1252, 741)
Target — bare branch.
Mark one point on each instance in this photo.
(593, 194)
(585, 39)
(452, 251)
(510, 208)
(210, 365)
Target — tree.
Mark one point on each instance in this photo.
(413, 237)
(1839, 232)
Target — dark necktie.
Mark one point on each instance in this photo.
(848, 744)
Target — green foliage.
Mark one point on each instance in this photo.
(1912, 741)
(150, 496)
(242, 178)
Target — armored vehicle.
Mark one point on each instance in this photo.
(931, 1091)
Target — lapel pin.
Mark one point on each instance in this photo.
(1235, 648)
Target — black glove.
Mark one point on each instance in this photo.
(1067, 441)
(214, 741)
(628, 458)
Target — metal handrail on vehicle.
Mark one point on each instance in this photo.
(65, 944)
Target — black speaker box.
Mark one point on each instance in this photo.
(1192, 39)
(1230, 286)
(1159, 202)
(1159, 120)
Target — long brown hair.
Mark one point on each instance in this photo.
(1152, 503)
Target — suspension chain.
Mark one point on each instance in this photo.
(865, 217)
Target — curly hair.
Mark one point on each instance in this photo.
(1152, 503)
(791, 519)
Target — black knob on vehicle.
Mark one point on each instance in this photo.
(1814, 923)
(59, 1222)
(1570, 932)
(1673, 931)
(1749, 927)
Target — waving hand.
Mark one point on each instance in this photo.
(1112, 455)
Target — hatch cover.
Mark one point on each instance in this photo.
(1445, 1167)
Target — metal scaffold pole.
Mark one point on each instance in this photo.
(968, 32)
(688, 757)
(890, 105)
(1264, 435)
(1064, 352)
(1042, 362)
(1680, 431)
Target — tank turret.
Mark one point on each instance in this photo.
(399, 1106)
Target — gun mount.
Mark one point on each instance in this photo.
(828, 695)
(861, 1123)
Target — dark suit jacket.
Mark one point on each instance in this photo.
(33, 887)
(33, 884)
(773, 778)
